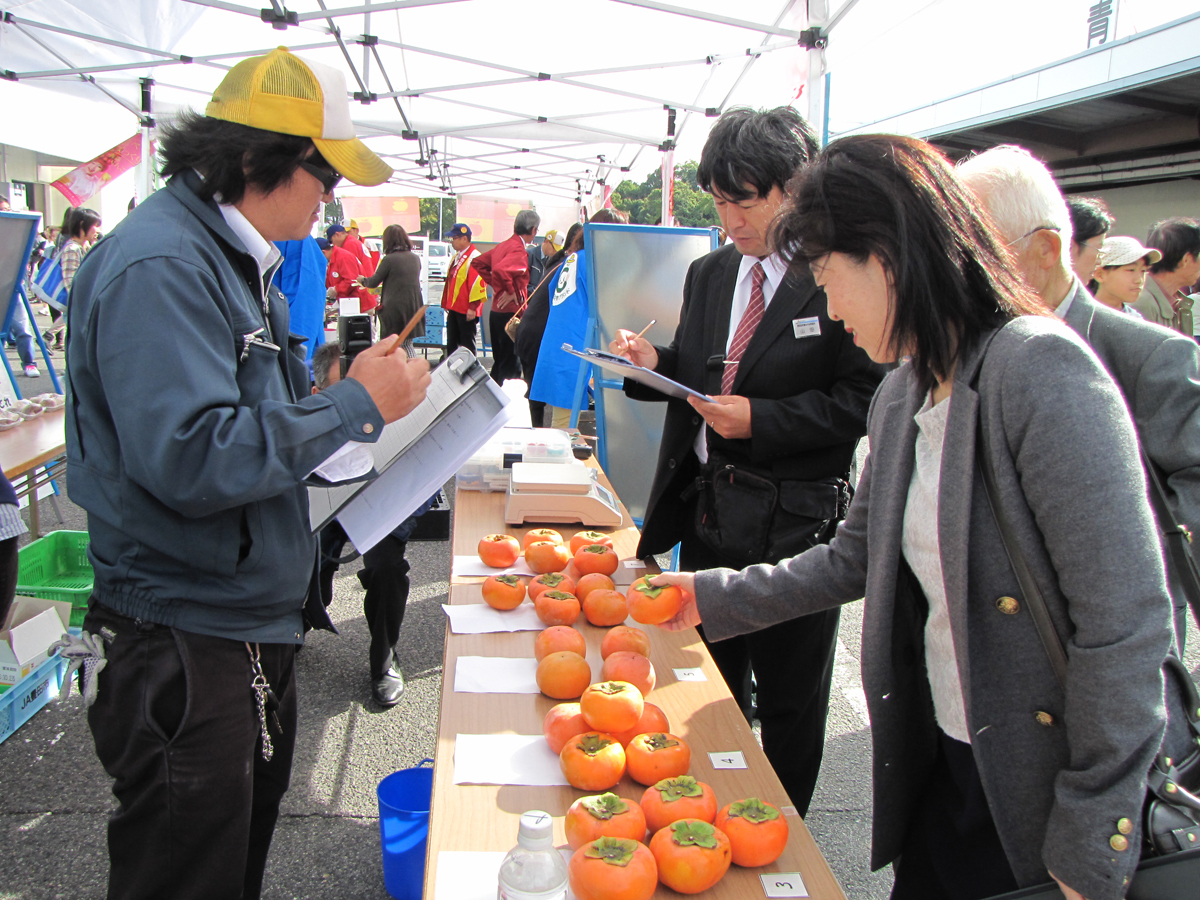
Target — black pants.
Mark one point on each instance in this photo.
(792, 668)
(504, 352)
(175, 724)
(8, 575)
(537, 408)
(460, 332)
(384, 576)
(952, 851)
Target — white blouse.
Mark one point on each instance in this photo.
(919, 543)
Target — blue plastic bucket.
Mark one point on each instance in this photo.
(404, 829)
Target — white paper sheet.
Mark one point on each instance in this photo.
(505, 759)
(472, 566)
(495, 675)
(474, 874)
(479, 618)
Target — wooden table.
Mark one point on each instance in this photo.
(40, 441)
(485, 817)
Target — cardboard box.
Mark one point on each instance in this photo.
(31, 627)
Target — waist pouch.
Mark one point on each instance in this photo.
(749, 517)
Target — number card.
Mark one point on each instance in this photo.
(734, 759)
(784, 884)
(690, 674)
(634, 564)
(789, 810)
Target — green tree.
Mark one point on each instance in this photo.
(429, 216)
(643, 202)
(333, 213)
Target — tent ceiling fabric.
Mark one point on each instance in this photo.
(466, 96)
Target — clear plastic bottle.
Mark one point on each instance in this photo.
(534, 869)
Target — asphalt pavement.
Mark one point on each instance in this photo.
(55, 797)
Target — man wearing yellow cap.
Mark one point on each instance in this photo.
(355, 245)
(192, 436)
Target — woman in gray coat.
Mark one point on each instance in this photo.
(988, 776)
(400, 274)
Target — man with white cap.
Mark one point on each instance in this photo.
(191, 439)
(1120, 273)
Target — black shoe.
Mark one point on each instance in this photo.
(386, 691)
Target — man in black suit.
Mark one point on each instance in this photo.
(759, 473)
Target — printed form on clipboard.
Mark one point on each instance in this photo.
(619, 365)
(417, 454)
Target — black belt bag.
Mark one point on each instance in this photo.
(749, 517)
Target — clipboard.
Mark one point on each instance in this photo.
(619, 365)
(460, 412)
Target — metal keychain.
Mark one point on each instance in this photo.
(265, 700)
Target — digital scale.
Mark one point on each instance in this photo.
(546, 492)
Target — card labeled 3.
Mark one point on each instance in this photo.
(803, 328)
(734, 759)
(784, 884)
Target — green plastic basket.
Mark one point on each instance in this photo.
(56, 567)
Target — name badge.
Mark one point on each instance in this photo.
(803, 328)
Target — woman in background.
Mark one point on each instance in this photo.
(400, 274)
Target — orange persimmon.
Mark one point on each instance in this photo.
(596, 558)
(563, 675)
(653, 719)
(499, 550)
(612, 868)
(691, 855)
(651, 757)
(632, 667)
(623, 637)
(603, 815)
(604, 608)
(757, 831)
(558, 637)
(612, 706)
(545, 556)
(540, 534)
(592, 761)
(551, 581)
(678, 798)
(503, 591)
(594, 581)
(556, 607)
(652, 605)
(562, 723)
(584, 538)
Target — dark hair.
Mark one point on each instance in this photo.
(323, 360)
(1089, 218)
(82, 222)
(606, 216)
(232, 156)
(1174, 238)
(762, 149)
(898, 199)
(395, 238)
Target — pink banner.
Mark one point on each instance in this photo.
(373, 214)
(81, 184)
(490, 219)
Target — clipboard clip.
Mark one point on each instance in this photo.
(467, 368)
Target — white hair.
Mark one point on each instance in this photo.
(1019, 193)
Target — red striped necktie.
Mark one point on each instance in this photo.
(745, 330)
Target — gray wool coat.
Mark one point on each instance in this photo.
(1071, 484)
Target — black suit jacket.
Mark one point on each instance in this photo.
(809, 396)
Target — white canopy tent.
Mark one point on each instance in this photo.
(460, 96)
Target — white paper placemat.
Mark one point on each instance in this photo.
(495, 675)
(479, 618)
(472, 566)
(505, 759)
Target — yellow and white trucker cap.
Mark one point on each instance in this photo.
(282, 92)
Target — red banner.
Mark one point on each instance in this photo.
(373, 214)
(83, 183)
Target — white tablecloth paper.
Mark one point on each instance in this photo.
(479, 618)
(471, 566)
(505, 759)
(473, 874)
(495, 675)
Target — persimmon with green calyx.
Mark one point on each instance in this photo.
(649, 758)
(603, 815)
(550, 581)
(556, 607)
(592, 761)
(652, 605)
(757, 831)
(503, 591)
(691, 855)
(499, 551)
(596, 558)
(611, 868)
(612, 706)
(673, 799)
(586, 538)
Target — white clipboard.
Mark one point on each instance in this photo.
(619, 365)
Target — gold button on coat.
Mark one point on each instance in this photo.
(1008, 605)
(1124, 826)
(1118, 842)
(368, 428)
(1043, 718)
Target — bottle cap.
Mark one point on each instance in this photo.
(537, 830)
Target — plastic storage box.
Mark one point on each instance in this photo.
(56, 567)
(488, 470)
(31, 693)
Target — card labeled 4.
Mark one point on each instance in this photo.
(810, 327)
(784, 884)
(733, 759)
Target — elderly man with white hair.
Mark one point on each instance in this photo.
(1157, 369)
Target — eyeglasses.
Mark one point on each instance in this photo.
(1032, 233)
(329, 178)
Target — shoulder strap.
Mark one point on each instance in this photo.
(1177, 537)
